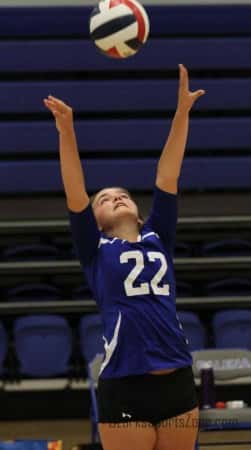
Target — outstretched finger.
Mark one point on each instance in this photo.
(49, 103)
(59, 103)
(51, 107)
(184, 79)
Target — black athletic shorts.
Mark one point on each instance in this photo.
(146, 398)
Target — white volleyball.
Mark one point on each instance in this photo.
(119, 28)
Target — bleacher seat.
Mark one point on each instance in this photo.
(196, 173)
(117, 135)
(232, 329)
(193, 329)
(33, 292)
(128, 95)
(30, 252)
(43, 345)
(228, 287)
(227, 247)
(3, 346)
(199, 19)
(91, 331)
(65, 55)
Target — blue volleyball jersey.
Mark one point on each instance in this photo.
(133, 284)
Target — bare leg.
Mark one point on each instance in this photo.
(180, 432)
(127, 436)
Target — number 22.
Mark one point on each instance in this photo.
(144, 288)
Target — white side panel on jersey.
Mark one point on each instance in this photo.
(94, 366)
(114, 39)
(110, 348)
(104, 17)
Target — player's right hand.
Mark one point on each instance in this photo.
(62, 113)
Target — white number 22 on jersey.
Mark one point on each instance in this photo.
(144, 288)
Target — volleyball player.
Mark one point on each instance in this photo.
(146, 393)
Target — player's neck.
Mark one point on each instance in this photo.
(128, 231)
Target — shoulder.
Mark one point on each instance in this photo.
(147, 232)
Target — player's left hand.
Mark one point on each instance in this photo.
(186, 98)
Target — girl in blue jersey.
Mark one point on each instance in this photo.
(146, 392)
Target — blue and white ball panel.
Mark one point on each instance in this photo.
(113, 27)
(117, 28)
(119, 38)
(101, 15)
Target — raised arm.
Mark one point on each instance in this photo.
(71, 168)
(169, 166)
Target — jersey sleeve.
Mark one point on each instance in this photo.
(85, 234)
(163, 217)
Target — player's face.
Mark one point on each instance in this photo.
(112, 205)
